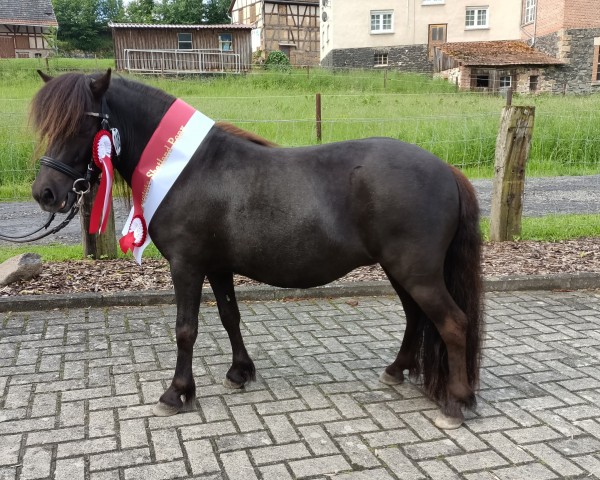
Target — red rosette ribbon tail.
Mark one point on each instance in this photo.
(136, 235)
(102, 155)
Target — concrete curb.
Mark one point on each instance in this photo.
(578, 281)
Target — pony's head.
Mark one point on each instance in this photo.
(65, 114)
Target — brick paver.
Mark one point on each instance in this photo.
(76, 387)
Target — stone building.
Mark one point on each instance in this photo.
(570, 31)
(495, 66)
(403, 35)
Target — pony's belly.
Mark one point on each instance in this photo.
(305, 276)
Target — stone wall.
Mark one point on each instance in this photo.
(410, 58)
(576, 48)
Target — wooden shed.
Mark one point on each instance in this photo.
(24, 25)
(176, 49)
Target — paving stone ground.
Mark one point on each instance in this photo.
(76, 388)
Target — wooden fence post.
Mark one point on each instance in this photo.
(102, 246)
(512, 151)
(318, 115)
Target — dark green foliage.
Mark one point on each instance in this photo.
(178, 12)
(83, 24)
(277, 60)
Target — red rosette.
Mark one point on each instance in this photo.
(139, 229)
(102, 147)
(136, 236)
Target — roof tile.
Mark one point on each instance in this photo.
(27, 12)
(496, 53)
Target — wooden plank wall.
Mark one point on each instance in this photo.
(160, 39)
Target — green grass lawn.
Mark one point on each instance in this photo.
(460, 128)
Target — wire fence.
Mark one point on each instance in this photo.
(459, 127)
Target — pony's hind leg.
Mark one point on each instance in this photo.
(181, 394)
(408, 356)
(444, 369)
(242, 368)
(435, 341)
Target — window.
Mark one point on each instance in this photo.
(505, 82)
(226, 42)
(533, 83)
(380, 59)
(596, 61)
(184, 41)
(476, 17)
(480, 79)
(529, 14)
(382, 21)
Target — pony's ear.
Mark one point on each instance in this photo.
(100, 85)
(45, 78)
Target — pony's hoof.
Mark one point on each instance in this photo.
(232, 385)
(163, 410)
(446, 422)
(388, 379)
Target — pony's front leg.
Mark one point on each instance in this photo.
(181, 394)
(242, 368)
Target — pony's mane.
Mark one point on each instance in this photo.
(58, 107)
(238, 132)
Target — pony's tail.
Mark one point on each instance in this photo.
(462, 274)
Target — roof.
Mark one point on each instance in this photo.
(299, 2)
(225, 26)
(27, 12)
(497, 53)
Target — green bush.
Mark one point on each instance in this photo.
(277, 60)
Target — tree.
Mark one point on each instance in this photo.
(217, 12)
(178, 12)
(83, 24)
(140, 11)
(174, 12)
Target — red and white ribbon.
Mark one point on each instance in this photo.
(169, 150)
(102, 155)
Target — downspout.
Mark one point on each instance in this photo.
(263, 29)
(534, 26)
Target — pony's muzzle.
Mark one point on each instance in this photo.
(49, 201)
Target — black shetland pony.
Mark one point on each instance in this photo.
(290, 217)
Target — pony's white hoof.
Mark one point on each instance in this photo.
(388, 379)
(232, 385)
(164, 410)
(448, 423)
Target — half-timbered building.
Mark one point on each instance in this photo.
(285, 25)
(24, 27)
